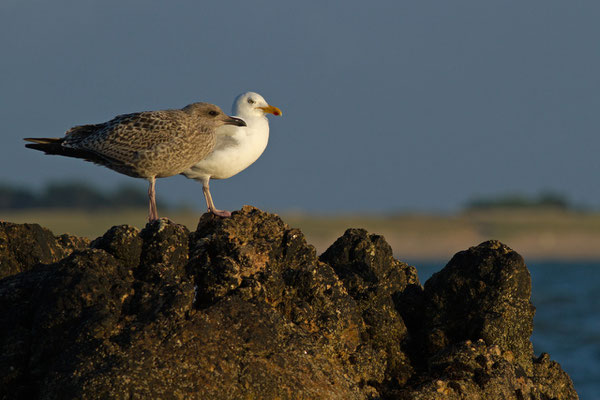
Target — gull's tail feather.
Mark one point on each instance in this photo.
(54, 146)
(43, 140)
(47, 145)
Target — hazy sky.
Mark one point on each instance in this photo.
(388, 105)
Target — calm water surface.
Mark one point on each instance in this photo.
(567, 319)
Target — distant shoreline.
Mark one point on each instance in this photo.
(538, 235)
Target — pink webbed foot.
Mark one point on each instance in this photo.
(220, 213)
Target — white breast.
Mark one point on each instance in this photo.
(236, 149)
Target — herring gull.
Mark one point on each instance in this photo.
(237, 147)
(148, 145)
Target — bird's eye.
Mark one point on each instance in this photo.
(250, 101)
(213, 113)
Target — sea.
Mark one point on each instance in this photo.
(567, 318)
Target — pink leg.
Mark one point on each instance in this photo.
(152, 211)
(210, 204)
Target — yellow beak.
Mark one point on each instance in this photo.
(271, 110)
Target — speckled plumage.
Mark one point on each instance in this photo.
(149, 144)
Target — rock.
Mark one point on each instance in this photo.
(373, 278)
(244, 308)
(256, 258)
(123, 242)
(474, 370)
(23, 246)
(483, 293)
(550, 379)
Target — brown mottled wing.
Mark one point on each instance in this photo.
(125, 135)
(147, 141)
(82, 131)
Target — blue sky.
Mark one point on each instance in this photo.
(388, 105)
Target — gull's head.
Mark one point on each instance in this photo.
(250, 104)
(211, 115)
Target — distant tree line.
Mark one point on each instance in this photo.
(75, 195)
(543, 200)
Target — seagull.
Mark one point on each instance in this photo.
(148, 145)
(237, 147)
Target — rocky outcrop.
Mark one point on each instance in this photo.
(244, 308)
(22, 246)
